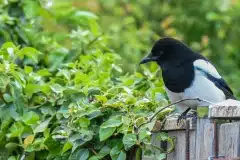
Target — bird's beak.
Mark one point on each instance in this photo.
(149, 58)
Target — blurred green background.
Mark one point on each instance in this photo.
(129, 27)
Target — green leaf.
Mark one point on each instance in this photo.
(44, 72)
(103, 152)
(80, 154)
(66, 147)
(129, 140)
(84, 122)
(122, 156)
(85, 14)
(28, 69)
(144, 134)
(30, 118)
(42, 126)
(80, 139)
(115, 121)
(4, 80)
(30, 89)
(162, 136)
(11, 146)
(161, 156)
(12, 158)
(93, 158)
(16, 129)
(115, 151)
(37, 145)
(7, 97)
(101, 98)
(53, 146)
(29, 52)
(18, 99)
(105, 133)
(73, 94)
(57, 88)
(94, 27)
(94, 91)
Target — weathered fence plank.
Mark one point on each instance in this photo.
(179, 152)
(229, 140)
(204, 139)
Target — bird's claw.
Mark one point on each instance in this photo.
(180, 118)
(184, 117)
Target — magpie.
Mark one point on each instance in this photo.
(187, 75)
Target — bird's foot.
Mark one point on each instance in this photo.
(184, 116)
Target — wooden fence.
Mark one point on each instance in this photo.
(203, 141)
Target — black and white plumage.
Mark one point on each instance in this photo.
(187, 74)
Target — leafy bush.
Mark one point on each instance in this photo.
(82, 109)
(63, 93)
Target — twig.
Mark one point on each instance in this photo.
(156, 113)
(93, 151)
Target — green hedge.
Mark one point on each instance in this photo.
(63, 92)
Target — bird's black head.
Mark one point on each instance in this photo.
(167, 50)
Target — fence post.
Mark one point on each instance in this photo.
(202, 133)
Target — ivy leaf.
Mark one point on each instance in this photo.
(28, 69)
(42, 126)
(105, 133)
(161, 156)
(129, 140)
(7, 97)
(84, 122)
(57, 88)
(17, 95)
(30, 89)
(122, 156)
(4, 80)
(29, 52)
(81, 138)
(11, 146)
(93, 158)
(80, 154)
(28, 140)
(44, 72)
(66, 147)
(115, 121)
(115, 151)
(53, 146)
(16, 129)
(144, 134)
(103, 152)
(30, 118)
(85, 14)
(101, 98)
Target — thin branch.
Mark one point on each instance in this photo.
(156, 113)
(93, 151)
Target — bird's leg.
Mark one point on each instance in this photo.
(193, 114)
(183, 115)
